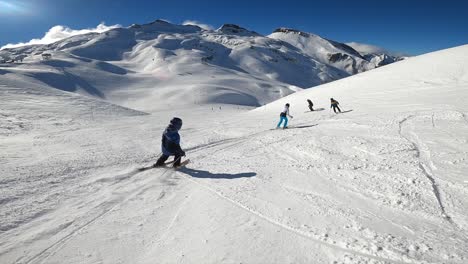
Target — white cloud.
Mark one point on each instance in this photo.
(196, 23)
(367, 49)
(59, 32)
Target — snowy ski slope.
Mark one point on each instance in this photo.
(383, 183)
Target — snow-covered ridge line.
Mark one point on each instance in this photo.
(245, 66)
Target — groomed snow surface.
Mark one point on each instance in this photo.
(385, 182)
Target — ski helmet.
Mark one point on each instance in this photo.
(176, 122)
(287, 104)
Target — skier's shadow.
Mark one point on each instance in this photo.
(206, 174)
(303, 126)
(315, 110)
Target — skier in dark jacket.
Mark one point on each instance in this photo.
(311, 105)
(170, 144)
(334, 104)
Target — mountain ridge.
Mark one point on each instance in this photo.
(155, 55)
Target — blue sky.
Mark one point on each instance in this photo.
(411, 26)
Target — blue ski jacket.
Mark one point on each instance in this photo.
(170, 143)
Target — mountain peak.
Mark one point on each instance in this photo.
(291, 30)
(165, 26)
(160, 21)
(237, 30)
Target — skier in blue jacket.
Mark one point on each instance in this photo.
(170, 143)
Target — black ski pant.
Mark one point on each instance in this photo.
(311, 108)
(164, 157)
(336, 107)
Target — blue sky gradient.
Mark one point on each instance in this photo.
(412, 27)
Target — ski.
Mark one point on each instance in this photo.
(344, 112)
(183, 163)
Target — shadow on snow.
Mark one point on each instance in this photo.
(206, 174)
(315, 110)
(304, 126)
(66, 82)
(294, 127)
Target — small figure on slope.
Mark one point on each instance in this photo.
(170, 144)
(334, 104)
(284, 116)
(311, 105)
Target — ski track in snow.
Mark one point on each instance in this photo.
(425, 163)
(42, 256)
(233, 142)
(290, 228)
(117, 201)
(427, 166)
(49, 251)
(298, 231)
(221, 145)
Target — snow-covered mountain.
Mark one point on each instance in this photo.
(326, 51)
(228, 65)
(376, 55)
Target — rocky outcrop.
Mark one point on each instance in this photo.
(236, 30)
(346, 61)
(290, 30)
(346, 48)
(382, 59)
(336, 57)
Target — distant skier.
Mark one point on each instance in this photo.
(284, 116)
(334, 104)
(170, 144)
(311, 105)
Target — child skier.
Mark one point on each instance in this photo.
(284, 116)
(334, 104)
(170, 143)
(311, 105)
